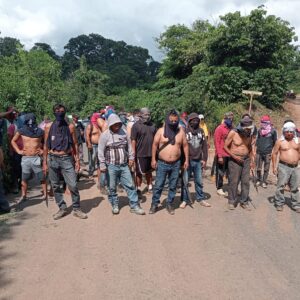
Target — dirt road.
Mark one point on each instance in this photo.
(199, 253)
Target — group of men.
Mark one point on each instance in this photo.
(122, 149)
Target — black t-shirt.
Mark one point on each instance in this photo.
(143, 134)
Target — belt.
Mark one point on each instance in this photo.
(169, 162)
(57, 155)
(289, 165)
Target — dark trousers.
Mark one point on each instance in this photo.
(263, 161)
(221, 171)
(238, 172)
(63, 165)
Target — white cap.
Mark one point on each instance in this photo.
(201, 117)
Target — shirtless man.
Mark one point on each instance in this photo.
(31, 153)
(60, 144)
(92, 138)
(288, 148)
(167, 146)
(239, 144)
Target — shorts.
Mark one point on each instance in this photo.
(143, 165)
(32, 164)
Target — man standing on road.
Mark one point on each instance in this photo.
(92, 138)
(266, 139)
(116, 156)
(79, 129)
(222, 157)
(60, 142)
(31, 153)
(239, 145)
(198, 153)
(167, 145)
(142, 135)
(288, 148)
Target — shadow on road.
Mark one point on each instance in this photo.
(8, 222)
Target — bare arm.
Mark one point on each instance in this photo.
(154, 147)
(185, 150)
(275, 155)
(88, 136)
(75, 142)
(45, 154)
(14, 143)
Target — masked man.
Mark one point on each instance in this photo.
(198, 153)
(288, 148)
(266, 139)
(222, 157)
(31, 153)
(166, 154)
(59, 149)
(142, 135)
(116, 156)
(239, 145)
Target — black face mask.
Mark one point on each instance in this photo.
(60, 116)
(194, 124)
(173, 126)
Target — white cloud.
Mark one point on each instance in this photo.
(135, 22)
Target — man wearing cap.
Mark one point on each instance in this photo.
(116, 157)
(266, 139)
(31, 152)
(142, 135)
(239, 145)
(287, 172)
(197, 160)
(222, 156)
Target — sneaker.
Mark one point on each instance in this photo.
(264, 185)
(231, 206)
(137, 210)
(77, 212)
(257, 183)
(153, 209)
(170, 209)
(220, 192)
(246, 206)
(150, 188)
(183, 204)
(204, 203)
(115, 210)
(61, 213)
(279, 208)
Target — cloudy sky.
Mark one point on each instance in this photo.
(137, 22)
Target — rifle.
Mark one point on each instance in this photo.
(254, 180)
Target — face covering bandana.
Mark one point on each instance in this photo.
(171, 128)
(266, 128)
(60, 116)
(228, 123)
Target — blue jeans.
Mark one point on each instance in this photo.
(195, 168)
(4, 204)
(163, 171)
(64, 165)
(121, 173)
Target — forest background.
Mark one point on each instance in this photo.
(205, 68)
